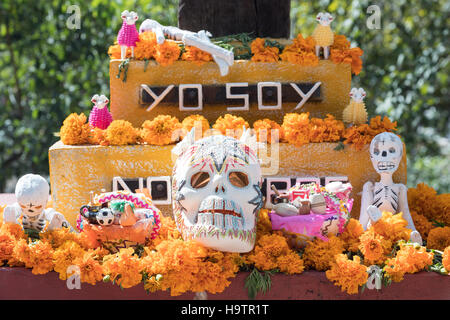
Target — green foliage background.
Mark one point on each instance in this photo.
(48, 71)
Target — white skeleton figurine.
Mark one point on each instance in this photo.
(32, 193)
(222, 57)
(386, 150)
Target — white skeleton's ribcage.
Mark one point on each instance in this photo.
(37, 224)
(385, 198)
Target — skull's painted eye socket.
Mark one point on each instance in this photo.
(392, 150)
(200, 179)
(38, 207)
(376, 151)
(238, 179)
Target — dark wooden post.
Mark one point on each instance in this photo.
(264, 18)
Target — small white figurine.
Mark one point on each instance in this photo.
(222, 57)
(323, 35)
(386, 150)
(32, 192)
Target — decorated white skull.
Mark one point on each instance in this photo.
(386, 150)
(216, 192)
(32, 192)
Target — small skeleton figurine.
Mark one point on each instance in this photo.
(386, 150)
(32, 195)
(222, 57)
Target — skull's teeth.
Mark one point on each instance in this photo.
(218, 220)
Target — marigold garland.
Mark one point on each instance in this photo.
(320, 254)
(196, 55)
(424, 200)
(231, 125)
(439, 238)
(326, 130)
(392, 227)
(353, 230)
(363, 134)
(162, 130)
(91, 271)
(301, 52)
(263, 130)
(146, 46)
(374, 247)
(123, 268)
(167, 52)
(422, 224)
(7, 244)
(263, 53)
(37, 255)
(348, 274)
(340, 52)
(75, 130)
(296, 128)
(196, 120)
(64, 257)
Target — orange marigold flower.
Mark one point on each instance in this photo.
(231, 125)
(446, 259)
(196, 55)
(301, 51)
(7, 243)
(340, 42)
(64, 257)
(340, 52)
(319, 254)
(296, 128)
(114, 52)
(37, 255)
(374, 247)
(167, 52)
(439, 238)
(196, 120)
(263, 53)
(326, 130)
(264, 225)
(98, 136)
(392, 227)
(424, 200)
(91, 271)
(75, 130)
(409, 259)
(146, 46)
(58, 237)
(13, 229)
(121, 132)
(353, 230)
(360, 135)
(263, 130)
(272, 251)
(162, 130)
(422, 224)
(348, 274)
(123, 267)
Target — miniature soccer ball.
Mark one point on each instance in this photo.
(105, 217)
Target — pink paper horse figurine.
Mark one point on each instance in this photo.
(100, 116)
(128, 34)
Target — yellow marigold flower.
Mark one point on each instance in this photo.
(353, 230)
(290, 263)
(91, 271)
(422, 224)
(392, 227)
(162, 130)
(439, 238)
(124, 268)
(326, 130)
(167, 52)
(261, 53)
(320, 254)
(409, 259)
(296, 128)
(196, 119)
(196, 55)
(446, 259)
(75, 130)
(374, 247)
(64, 257)
(146, 46)
(263, 130)
(264, 225)
(233, 124)
(121, 132)
(37, 255)
(348, 274)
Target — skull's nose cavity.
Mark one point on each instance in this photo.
(384, 154)
(220, 188)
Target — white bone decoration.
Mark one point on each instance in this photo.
(32, 193)
(223, 58)
(386, 151)
(216, 191)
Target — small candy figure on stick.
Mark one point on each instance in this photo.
(128, 34)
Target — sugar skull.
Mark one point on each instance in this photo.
(386, 151)
(216, 192)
